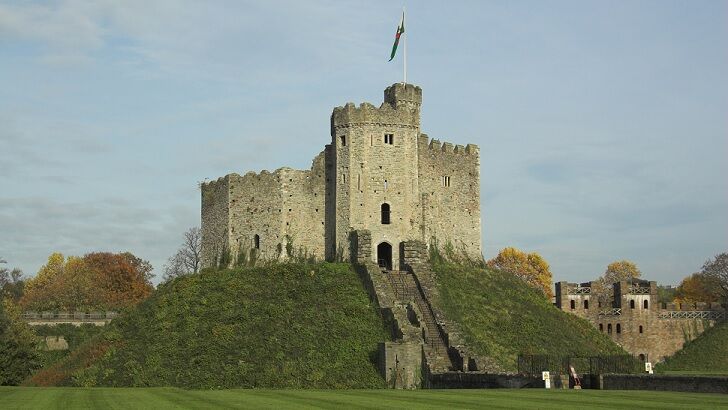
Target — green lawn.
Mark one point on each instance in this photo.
(161, 398)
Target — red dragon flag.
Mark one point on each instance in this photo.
(400, 31)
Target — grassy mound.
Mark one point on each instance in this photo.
(708, 354)
(292, 325)
(501, 317)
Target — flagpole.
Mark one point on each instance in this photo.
(405, 47)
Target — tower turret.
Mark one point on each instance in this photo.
(403, 95)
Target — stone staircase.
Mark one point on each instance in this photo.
(406, 290)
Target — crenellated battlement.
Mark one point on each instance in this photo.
(367, 114)
(403, 95)
(435, 146)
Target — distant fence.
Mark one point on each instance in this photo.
(693, 314)
(533, 365)
(68, 316)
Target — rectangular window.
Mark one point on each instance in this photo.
(389, 139)
(446, 181)
(343, 140)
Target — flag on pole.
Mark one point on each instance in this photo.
(400, 31)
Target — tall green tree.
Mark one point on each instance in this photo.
(18, 354)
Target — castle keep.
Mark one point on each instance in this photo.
(380, 173)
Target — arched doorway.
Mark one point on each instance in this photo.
(384, 255)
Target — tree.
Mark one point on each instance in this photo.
(123, 279)
(530, 267)
(99, 280)
(697, 287)
(666, 293)
(187, 259)
(18, 354)
(11, 282)
(618, 271)
(717, 270)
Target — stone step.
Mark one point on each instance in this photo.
(406, 289)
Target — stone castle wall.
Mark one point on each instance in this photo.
(377, 158)
(635, 320)
(215, 219)
(266, 215)
(450, 207)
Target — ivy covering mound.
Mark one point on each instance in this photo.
(75, 336)
(707, 354)
(501, 317)
(288, 325)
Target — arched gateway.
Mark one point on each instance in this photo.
(384, 255)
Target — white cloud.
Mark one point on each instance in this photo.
(68, 30)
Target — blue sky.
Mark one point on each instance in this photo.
(603, 126)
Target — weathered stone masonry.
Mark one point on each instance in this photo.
(635, 320)
(379, 173)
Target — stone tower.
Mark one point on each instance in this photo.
(379, 174)
(376, 165)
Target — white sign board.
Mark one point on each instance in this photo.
(547, 379)
(648, 367)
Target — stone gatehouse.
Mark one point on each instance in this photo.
(379, 173)
(634, 318)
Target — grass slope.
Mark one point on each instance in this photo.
(289, 325)
(708, 354)
(167, 398)
(502, 317)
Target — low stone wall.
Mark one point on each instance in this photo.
(55, 343)
(401, 364)
(473, 380)
(693, 384)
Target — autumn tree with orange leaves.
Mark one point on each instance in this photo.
(97, 281)
(697, 287)
(530, 267)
